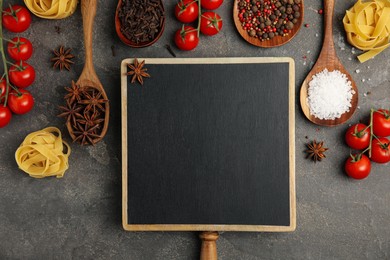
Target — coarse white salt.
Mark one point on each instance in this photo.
(329, 95)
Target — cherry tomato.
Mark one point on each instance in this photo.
(187, 11)
(358, 137)
(380, 150)
(5, 115)
(16, 18)
(186, 38)
(211, 4)
(19, 49)
(210, 23)
(21, 75)
(20, 103)
(3, 88)
(381, 122)
(358, 166)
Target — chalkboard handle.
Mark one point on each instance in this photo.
(209, 245)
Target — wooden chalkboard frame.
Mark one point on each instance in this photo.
(189, 227)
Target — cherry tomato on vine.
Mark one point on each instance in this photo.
(187, 11)
(186, 38)
(358, 136)
(381, 122)
(5, 115)
(21, 75)
(210, 23)
(16, 18)
(3, 88)
(358, 166)
(20, 103)
(211, 4)
(19, 49)
(380, 150)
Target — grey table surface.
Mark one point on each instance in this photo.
(79, 216)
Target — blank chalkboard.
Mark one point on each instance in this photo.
(208, 144)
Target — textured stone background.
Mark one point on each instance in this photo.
(79, 216)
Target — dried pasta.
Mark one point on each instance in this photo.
(51, 9)
(367, 25)
(42, 154)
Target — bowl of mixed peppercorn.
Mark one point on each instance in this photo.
(268, 23)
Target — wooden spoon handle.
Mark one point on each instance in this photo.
(209, 246)
(88, 12)
(328, 28)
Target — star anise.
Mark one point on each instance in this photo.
(74, 93)
(62, 58)
(316, 151)
(92, 99)
(71, 112)
(85, 134)
(138, 71)
(91, 119)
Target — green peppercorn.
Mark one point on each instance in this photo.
(252, 33)
(289, 10)
(268, 22)
(282, 9)
(291, 2)
(271, 35)
(294, 21)
(254, 8)
(289, 25)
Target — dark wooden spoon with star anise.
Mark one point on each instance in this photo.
(94, 98)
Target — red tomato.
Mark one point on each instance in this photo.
(5, 115)
(381, 122)
(186, 38)
(210, 23)
(16, 18)
(3, 88)
(187, 11)
(358, 166)
(380, 150)
(20, 103)
(19, 49)
(211, 4)
(358, 137)
(21, 75)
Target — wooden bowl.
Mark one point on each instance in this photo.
(127, 41)
(274, 42)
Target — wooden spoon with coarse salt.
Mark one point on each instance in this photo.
(327, 60)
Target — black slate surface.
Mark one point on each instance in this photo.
(208, 144)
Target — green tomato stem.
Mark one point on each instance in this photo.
(3, 57)
(371, 131)
(199, 16)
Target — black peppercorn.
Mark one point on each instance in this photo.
(254, 8)
(265, 36)
(268, 22)
(282, 9)
(271, 35)
(252, 33)
(297, 14)
(294, 21)
(289, 10)
(289, 25)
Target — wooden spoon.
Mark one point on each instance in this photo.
(274, 42)
(88, 77)
(328, 60)
(126, 40)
